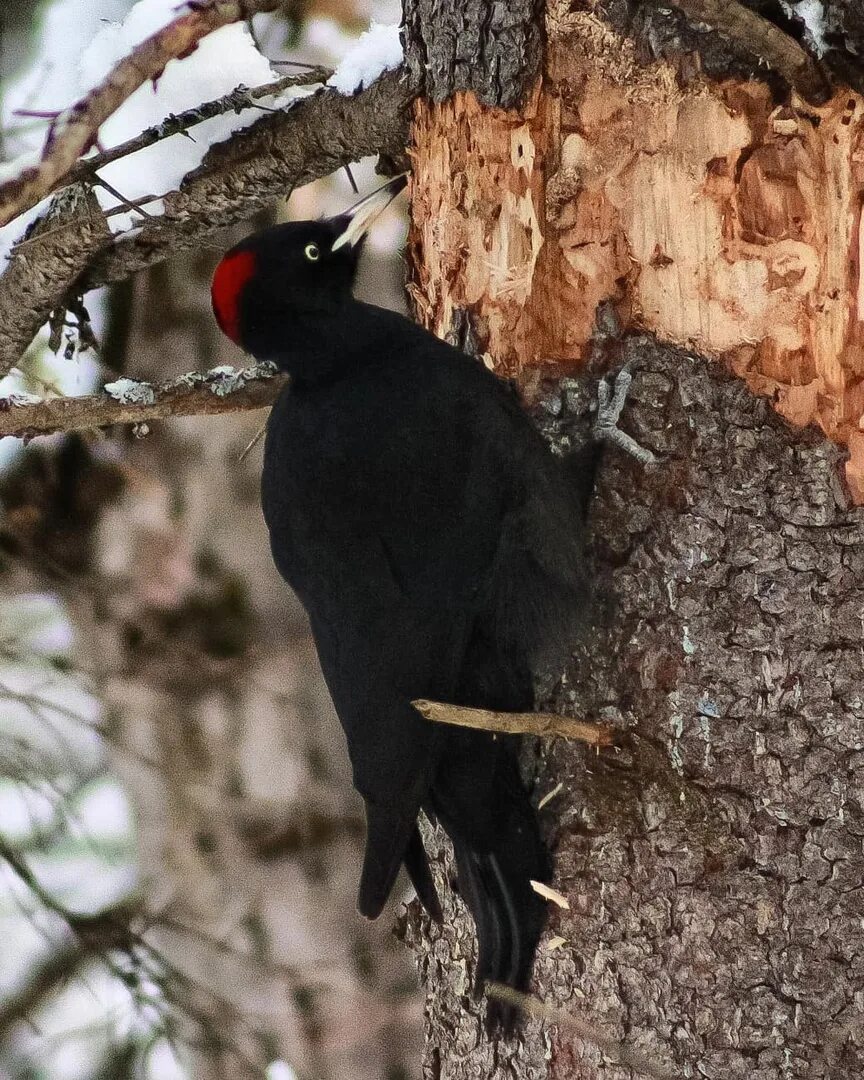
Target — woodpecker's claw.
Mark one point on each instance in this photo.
(611, 395)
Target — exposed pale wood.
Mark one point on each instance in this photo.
(712, 925)
(545, 724)
(705, 213)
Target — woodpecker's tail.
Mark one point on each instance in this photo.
(499, 851)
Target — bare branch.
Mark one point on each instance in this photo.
(760, 37)
(254, 167)
(589, 1033)
(516, 723)
(178, 123)
(58, 248)
(43, 978)
(105, 929)
(195, 394)
(263, 162)
(75, 130)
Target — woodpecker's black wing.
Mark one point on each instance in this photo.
(435, 543)
(383, 512)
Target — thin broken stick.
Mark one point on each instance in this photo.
(545, 724)
(589, 1033)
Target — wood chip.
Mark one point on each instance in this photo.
(551, 894)
(549, 796)
(555, 943)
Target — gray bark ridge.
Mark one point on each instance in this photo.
(662, 31)
(493, 47)
(713, 863)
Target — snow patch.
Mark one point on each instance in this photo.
(102, 813)
(812, 12)
(37, 623)
(224, 380)
(280, 1070)
(222, 61)
(131, 392)
(376, 51)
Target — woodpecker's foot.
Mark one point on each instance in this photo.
(611, 395)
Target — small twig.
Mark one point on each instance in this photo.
(23, 872)
(759, 36)
(179, 123)
(516, 723)
(612, 1048)
(351, 179)
(38, 114)
(253, 442)
(254, 167)
(292, 63)
(190, 395)
(75, 130)
(135, 208)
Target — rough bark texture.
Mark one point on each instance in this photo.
(491, 47)
(58, 249)
(713, 864)
(192, 395)
(662, 31)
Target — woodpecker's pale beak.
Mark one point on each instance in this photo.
(363, 213)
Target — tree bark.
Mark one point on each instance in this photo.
(713, 863)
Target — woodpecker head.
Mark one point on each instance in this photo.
(283, 280)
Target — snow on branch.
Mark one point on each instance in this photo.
(128, 401)
(378, 50)
(242, 97)
(75, 130)
(71, 250)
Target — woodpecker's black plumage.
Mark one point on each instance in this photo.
(436, 544)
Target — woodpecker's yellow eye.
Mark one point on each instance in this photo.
(312, 252)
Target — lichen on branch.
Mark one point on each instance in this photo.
(127, 401)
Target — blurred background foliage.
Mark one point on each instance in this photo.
(179, 840)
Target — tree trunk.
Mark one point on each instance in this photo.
(638, 196)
